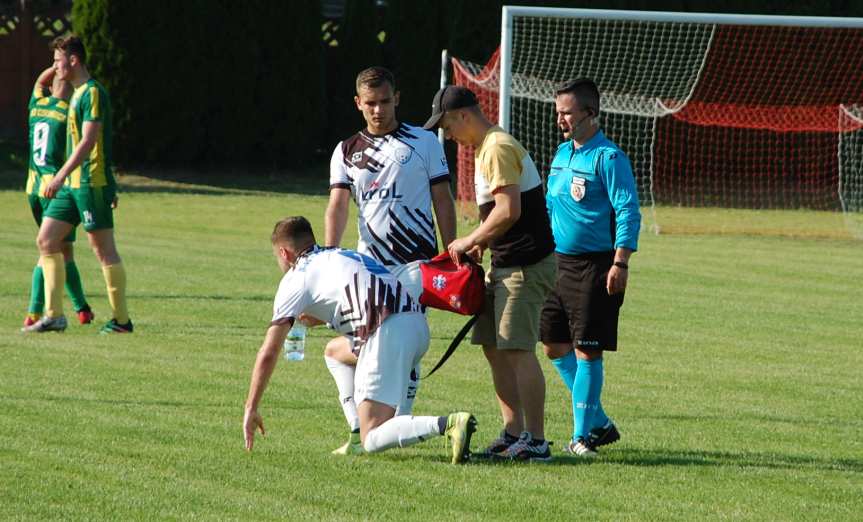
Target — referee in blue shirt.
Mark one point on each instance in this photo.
(593, 205)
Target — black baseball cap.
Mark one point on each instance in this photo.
(449, 98)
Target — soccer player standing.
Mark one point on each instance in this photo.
(395, 174)
(48, 110)
(358, 297)
(593, 205)
(516, 229)
(83, 191)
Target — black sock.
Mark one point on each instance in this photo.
(509, 438)
(441, 424)
(355, 431)
(538, 442)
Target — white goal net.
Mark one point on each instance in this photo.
(714, 111)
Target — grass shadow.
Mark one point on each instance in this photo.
(185, 297)
(310, 179)
(118, 402)
(159, 403)
(657, 458)
(746, 459)
(753, 416)
(173, 297)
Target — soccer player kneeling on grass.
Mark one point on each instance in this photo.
(359, 298)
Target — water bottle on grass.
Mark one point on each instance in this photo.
(295, 343)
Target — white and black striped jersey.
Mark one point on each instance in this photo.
(351, 291)
(390, 177)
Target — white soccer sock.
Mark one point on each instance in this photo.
(343, 374)
(401, 431)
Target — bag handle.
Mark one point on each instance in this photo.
(454, 344)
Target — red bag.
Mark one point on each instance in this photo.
(459, 289)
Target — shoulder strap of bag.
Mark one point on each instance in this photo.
(454, 344)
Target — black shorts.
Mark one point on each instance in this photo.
(579, 310)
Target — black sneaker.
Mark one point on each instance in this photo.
(112, 327)
(497, 446)
(607, 434)
(525, 449)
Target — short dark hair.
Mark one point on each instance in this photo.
(296, 230)
(71, 45)
(585, 92)
(374, 77)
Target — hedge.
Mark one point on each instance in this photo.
(203, 82)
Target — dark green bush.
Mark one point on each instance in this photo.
(203, 82)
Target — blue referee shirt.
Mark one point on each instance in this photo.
(591, 198)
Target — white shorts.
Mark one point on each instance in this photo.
(389, 357)
(410, 276)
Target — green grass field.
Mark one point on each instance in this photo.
(737, 386)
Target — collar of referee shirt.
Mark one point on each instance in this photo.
(449, 98)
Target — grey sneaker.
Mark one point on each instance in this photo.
(580, 448)
(525, 449)
(497, 446)
(46, 324)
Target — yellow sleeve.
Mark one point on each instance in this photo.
(501, 165)
(91, 106)
(39, 96)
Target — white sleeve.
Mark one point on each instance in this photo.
(338, 172)
(437, 165)
(292, 298)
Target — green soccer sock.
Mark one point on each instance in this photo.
(37, 292)
(74, 287)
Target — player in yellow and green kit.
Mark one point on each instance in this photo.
(48, 107)
(83, 191)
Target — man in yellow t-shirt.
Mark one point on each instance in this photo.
(515, 227)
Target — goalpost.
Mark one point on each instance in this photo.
(715, 111)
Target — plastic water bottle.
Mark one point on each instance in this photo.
(295, 343)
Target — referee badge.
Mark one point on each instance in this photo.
(577, 189)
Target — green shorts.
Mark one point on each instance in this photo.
(513, 302)
(38, 206)
(90, 206)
